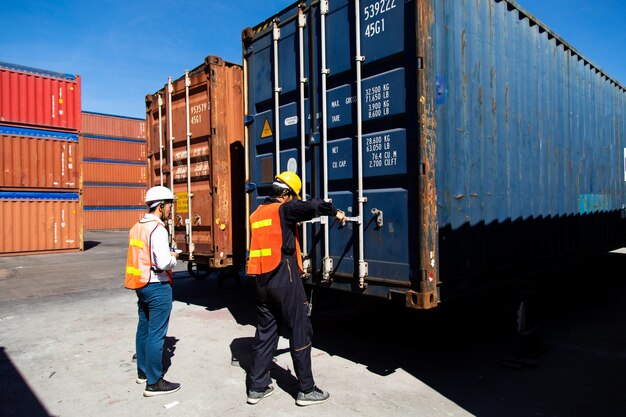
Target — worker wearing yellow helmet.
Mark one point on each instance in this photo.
(275, 262)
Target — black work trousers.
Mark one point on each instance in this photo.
(281, 301)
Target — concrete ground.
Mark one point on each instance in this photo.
(67, 338)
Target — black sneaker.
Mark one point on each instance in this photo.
(315, 396)
(161, 388)
(256, 396)
(141, 377)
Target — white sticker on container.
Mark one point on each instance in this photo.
(290, 121)
(292, 165)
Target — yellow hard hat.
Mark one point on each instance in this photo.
(292, 180)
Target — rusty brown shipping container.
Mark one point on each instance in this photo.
(30, 96)
(109, 218)
(202, 156)
(40, 222)
(111, 125)
(42, 159)
(111, 171)
(113, 195)
(113, 148)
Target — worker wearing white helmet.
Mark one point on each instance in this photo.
(149, 267)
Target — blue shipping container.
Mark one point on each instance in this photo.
(467, 141)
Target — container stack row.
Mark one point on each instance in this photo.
(114, 164)
(40, 153)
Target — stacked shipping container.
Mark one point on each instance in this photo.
(114, 150)
(40, 180)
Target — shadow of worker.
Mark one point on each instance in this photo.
(242, 354)
(169, 347)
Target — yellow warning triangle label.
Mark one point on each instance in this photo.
(267, 130)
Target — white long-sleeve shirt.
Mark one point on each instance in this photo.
(159, 245)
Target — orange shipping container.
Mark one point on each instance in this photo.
(114, 172)
(113, 148)
(36, 222)
(113, 195)
(40, 98)
(106, 218)
(110, 125)
(38, 159)
(209, 214)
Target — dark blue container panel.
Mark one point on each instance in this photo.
(382, 32)
(529, 142)
(386, 248)
(383, 95)
(341, 241)
(384, 153)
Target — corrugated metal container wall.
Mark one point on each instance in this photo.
(111, 171)
(111, 125)
(30, 96)
(516, 161)
(212, 161)
(113, 148)
(33, 158)
(113, 195)
(34, 222)
(105, 218)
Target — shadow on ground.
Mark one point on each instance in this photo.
(88, 244)
(16, 397)
(457, 349)
(216, 292)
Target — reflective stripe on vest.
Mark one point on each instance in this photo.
(139, 258)
(267, 240)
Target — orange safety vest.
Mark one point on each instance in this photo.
(267, 240)
(139, 258)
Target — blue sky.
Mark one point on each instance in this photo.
(124, 50)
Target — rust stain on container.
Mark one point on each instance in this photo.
(111, 125)
(36, 222)
(39, 159)
(113, 195)
(114, 172)
(107, 218)
(35, 97)
(215, 159)
(116, 149)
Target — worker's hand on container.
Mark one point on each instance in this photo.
(340, 216)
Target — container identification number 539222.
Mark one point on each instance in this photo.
(370, 12)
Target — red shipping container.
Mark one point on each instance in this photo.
(107, 218)
(110, 125)
(113, 195)
(110, 148)
(39, 159)
(36, 222)
(114, 172)
(30, 96)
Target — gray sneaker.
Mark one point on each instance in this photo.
(315, 396)
(256, 396)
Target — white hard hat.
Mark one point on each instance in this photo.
(159, 193)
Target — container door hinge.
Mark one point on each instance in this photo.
(427, 296)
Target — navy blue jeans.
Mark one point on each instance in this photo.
(155, 304)
(281, 301)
